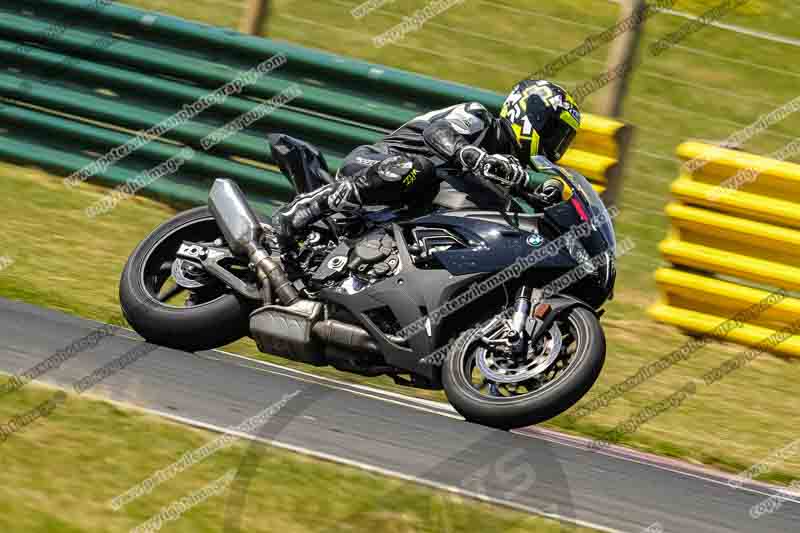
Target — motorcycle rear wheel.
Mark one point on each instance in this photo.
(573, 374)
(219, 317)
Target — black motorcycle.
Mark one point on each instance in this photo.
(499, 307)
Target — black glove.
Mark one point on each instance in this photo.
(505, 170)
(502, 169)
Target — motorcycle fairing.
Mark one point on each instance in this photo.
(410, 296)
(493, 246)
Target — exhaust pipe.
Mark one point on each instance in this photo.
(344, 335)
(243, 233)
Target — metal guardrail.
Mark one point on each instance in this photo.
(735, 238)
(81, 79)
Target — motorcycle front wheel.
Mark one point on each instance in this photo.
(208, 316)
(488, 386)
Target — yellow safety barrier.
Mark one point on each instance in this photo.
(599, 151)
(734, 240)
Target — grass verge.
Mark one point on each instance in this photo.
(61, 471)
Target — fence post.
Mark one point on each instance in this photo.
(623, 52)
(255, 13)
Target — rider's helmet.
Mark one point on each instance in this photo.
(544, 118)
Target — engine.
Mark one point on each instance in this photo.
(353, 267)
(374, 257)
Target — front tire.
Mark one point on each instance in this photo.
(539, 404)
(219, 320)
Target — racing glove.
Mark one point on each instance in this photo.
(502, 169)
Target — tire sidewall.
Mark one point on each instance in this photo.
(209, 325)
(536, 407)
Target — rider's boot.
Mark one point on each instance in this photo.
(305, 209)
(382, 183)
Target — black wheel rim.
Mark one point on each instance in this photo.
(156, 274)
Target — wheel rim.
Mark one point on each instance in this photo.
(161, 269)
(496, 376)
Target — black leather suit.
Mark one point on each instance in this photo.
(403, 168)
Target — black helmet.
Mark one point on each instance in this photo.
(544, 117)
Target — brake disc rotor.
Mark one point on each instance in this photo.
(500, 368)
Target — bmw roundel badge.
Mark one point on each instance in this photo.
(535, 240)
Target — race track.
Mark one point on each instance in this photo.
(535, 470)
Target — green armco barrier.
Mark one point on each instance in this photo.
(115, 112)
(89, 137)
(125, 70)
(203, 72)
(402, 88)
(55, 68)
(176, 189)
(208, 72)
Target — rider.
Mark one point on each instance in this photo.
(537, 118)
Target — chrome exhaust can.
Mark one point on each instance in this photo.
(243, 233)
(234, 216)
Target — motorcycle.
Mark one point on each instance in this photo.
(498, 307)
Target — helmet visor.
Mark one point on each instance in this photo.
(556, 138)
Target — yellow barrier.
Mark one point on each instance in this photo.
(599, 152)
(735, 238)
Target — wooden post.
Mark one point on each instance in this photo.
(623, 51)
(255, 13)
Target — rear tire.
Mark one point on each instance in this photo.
(525, 410)
(202, 327)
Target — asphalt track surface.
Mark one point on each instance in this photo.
(426, 442)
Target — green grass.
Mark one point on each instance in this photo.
(713, 84)
(61, 471)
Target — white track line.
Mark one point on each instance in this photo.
(731, 27)
(739, 29)
(380, 470)
(443, 409)
(619, 452)
(374, 394)
(642, 458)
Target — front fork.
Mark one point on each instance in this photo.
(519, 335)
(513, 334)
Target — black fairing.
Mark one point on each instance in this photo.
(493, 244)
(409, 296)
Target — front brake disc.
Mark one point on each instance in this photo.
(503, 369)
